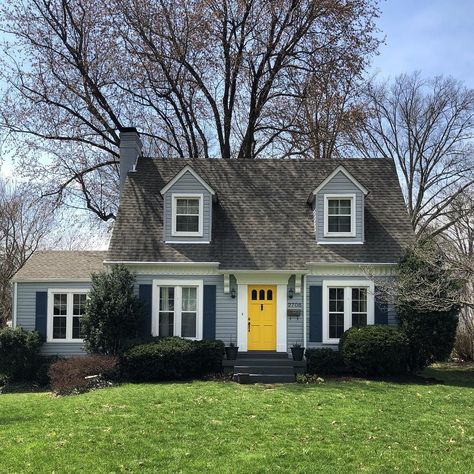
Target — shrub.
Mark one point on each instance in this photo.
(69, 375)
(324, 362)
(375, 350)
(172, 358)
(430, 335)
(19, 353)
(41, 376)
(113, 314)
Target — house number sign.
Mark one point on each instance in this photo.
(294, 310)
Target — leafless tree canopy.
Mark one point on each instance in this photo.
(24, 221)
(427, 128)
(200, 78)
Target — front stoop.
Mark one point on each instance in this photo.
(263, 367)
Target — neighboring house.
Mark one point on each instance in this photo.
(263, 253)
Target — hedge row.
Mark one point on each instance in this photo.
(172, 358)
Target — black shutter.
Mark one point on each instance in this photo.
(316, 314)
(144, 293)
(41, 312)
(381, 310)
(209, 316)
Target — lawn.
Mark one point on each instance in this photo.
(339, 426)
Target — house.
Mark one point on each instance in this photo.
(263, 253)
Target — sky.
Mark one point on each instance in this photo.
(433, 36)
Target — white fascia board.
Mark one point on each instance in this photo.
(163, 264)
(187, 169)
(339, 169)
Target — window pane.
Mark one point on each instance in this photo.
(359, 300)
(166, 298)
(76, 327)
(189, 299)
(262, 295)
(336, 325)
(269, 295)
(254, 295)
(188, 324)
(187, 223)
(339, 206)
(78, 304)
(59, 327)
(60, 304)
(339, 223)
(166, 324)
(359, 319)
(336, 300)
(187, 206)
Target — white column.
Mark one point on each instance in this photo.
(242, 317)
(281, 340)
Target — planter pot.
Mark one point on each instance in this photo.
(297, 353)
(231, 352)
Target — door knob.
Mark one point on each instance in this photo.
(249, 325)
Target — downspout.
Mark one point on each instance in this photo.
(304, 311)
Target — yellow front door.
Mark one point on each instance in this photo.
(261, 325)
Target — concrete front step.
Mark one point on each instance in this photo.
(259, 362)
(265, 369)
(263, 378)
(262, 355)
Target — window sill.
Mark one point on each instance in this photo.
(62, 341)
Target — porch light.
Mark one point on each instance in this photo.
(291, 292)
(232, 293)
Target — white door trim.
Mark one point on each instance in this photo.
(242, 317)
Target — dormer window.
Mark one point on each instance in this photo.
(187, 215)
(339, 215)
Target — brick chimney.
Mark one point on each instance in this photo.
(130, 150)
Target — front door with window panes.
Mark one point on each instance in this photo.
(347, 308)
(177, 314)
(67, 311)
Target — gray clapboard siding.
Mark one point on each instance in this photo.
(226, 307)
(26, 314)
(188, 184)
(339, 184)
(295, 325)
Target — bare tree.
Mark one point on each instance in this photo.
(201, 78)
(24, 222)
(457, 243)
(427, 128)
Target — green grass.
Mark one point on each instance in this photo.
(338, 426)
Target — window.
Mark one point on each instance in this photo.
(179, 309)
(336, 312)
(187, 215)
(65, 310)
(339, 215)
(346, 304)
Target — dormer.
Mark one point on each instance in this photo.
(338, 209)
(187, 208)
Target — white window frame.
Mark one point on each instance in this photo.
(352, 197)
(178, 286)
(347, 285)
(70, 301)
(174, 198)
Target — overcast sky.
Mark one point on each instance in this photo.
(433, 36)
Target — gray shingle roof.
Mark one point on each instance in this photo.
(262, 220)
(61, 265)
